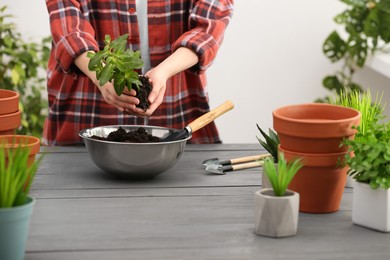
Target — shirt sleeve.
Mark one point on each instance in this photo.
(71, 32)
(207, 21)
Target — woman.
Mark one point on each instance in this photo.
(178, 40)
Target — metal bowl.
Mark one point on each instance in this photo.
(133, 160)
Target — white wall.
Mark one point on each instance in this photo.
(271, 56)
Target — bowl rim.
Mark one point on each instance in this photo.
(81, 132)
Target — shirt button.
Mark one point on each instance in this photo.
(131, 10)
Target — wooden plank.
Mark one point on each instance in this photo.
(217, 227)
(76, 170)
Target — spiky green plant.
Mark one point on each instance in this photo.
(371, 110)
(282, 175)
(16, 176)
(270, 142)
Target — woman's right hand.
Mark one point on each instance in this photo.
(125, 102)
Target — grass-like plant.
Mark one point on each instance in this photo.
(270, 142)
(371, 110)
(116, 64)
(16, 176)
(280, 176)
(370, 162)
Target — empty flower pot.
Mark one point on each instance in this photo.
(315, 127)
(9, 101)
(29, 142)
(320, 183)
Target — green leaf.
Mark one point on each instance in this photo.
(384, 33)
(357, 48)
(334, 47)
(119, 87)
(119, 44)
(359, 3)
(372, 24)
(106, 74)
(332, 83)
(96, 59)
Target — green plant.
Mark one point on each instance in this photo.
(370, 161)
(16, 176)
(281, 176)
(366, 32)
(23, 69)
(371, 111)
(270, 143)
(116, 63)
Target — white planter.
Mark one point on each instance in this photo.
(276, 216)
(371, 208)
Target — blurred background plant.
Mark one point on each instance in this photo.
(366, 32)
(23, 69)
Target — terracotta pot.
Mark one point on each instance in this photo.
(9, 123)
(315, 127)
(30, 142)
(9, 101)
(320, 182)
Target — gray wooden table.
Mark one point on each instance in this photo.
(84, 213)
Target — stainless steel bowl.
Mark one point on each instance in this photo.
(133, 160)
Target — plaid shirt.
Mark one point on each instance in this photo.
(75, 103)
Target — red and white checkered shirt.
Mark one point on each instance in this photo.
(75, 103)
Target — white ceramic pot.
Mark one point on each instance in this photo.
(276, 216)
(371, 208)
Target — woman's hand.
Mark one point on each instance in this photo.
(124, 103)
(158, 78)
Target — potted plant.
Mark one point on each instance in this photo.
(371, 110)
(118, 65)
(270, 143)
(364, 34)
(16, 176)
(369, 165)
(276, 208)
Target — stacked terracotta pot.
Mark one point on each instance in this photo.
(10, 115)
(314, 133)
(10, 120)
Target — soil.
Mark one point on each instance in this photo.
(143, 92)
(137, 136)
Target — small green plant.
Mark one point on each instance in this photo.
(366, 32)
(116, 63)
(23, 69)
(270, 143)
(370, 161)
(282, 175)
(371, 111)
(15, 176)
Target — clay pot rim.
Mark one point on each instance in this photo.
(9, 101)
(314, 155)
(32, 142)
(315, 159)
(13, 94)
(314, 121)
(10, 115)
